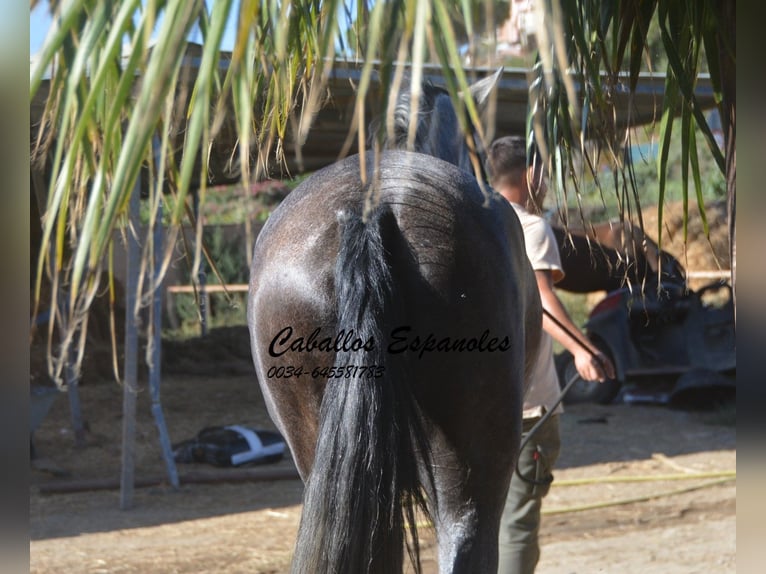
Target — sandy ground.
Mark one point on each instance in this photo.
(683, 525)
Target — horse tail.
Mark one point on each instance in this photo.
(365, 487)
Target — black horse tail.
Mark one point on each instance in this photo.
(365, 487)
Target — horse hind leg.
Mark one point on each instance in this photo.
(472, 459)
(467, 540)
(466, 510)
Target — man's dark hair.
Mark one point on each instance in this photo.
(508, 158)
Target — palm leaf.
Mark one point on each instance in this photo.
(110, 119)
(605, 38)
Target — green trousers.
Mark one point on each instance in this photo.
(520, 523)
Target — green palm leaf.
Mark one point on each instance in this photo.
(122, 107)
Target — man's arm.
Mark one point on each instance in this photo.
(590, 367)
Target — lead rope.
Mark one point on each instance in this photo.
(550, 411)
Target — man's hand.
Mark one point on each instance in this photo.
(591, 364)
(593, 367)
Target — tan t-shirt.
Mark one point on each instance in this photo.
(543, 254)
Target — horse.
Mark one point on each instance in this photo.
(391, 345)
(606, 256)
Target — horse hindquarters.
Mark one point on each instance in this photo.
(364, 479)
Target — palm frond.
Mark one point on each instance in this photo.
(110, 116)
(591, 54)
(122, 106)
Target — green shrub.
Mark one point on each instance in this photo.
(223, 309)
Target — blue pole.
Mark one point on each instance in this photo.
(201, 278)
(130, 386)
(155, 368)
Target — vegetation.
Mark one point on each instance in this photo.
(114, 114)
(232, 204)
(599, 205)
(224, 309)
(225, 206)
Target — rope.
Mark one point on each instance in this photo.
(632, 500)
(549, 413)
(538, 424)
(728, 474)
(721, 478)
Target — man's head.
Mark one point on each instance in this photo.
(517, 177)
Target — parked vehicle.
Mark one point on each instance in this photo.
(661, 343)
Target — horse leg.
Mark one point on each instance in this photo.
(293, 400)
(469, 503)
(472, 459)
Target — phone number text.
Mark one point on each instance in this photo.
(339, 372)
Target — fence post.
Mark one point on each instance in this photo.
(155, 367)
(130, 388)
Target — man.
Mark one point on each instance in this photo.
(522, 183)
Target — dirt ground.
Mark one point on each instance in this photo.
(679, 516)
